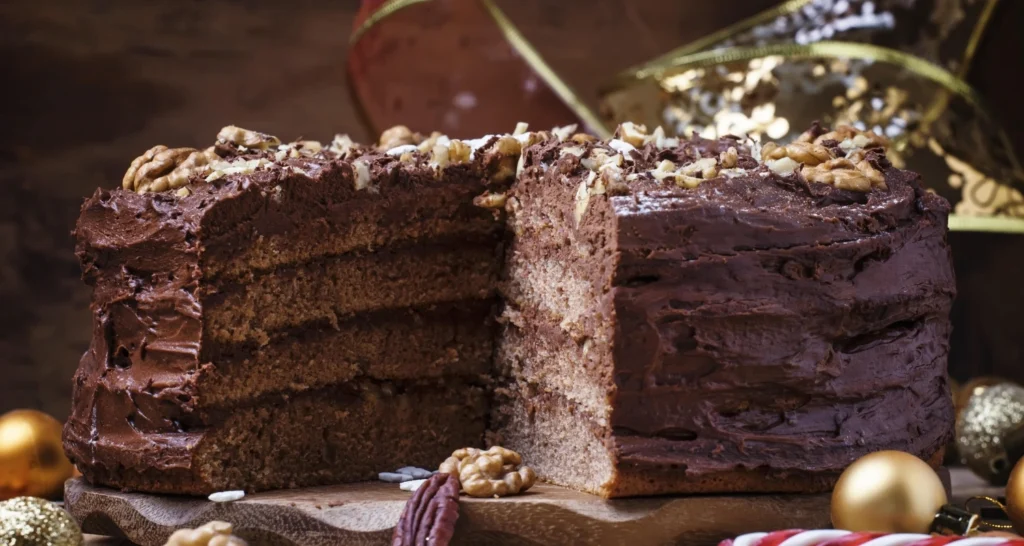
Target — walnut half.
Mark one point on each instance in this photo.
(214, 533)
(495, 472)
(162, 168)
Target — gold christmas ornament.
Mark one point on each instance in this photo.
(989, 431)
(888, 492)
(1015, 497)
(30, 521)
(975, 386)
(32, 460)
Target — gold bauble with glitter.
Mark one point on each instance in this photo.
(887, 492)
(32, 460)
(989, 431)
(975, 386)
(30, 521)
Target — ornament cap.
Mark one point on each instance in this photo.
(954, 520)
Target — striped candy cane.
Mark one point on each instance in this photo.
(835, 537)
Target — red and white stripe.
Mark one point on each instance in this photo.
(835, 537)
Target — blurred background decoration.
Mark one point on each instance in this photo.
(92, 83)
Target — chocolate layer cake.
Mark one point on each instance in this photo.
(276, 315)
(635, 316)
(691, 317)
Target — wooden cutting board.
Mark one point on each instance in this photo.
(366, 513)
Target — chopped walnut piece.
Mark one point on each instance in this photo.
(459, 152)
(398, 135)
(632, 133)
(247, 138)
(582, 199)
(849, 173)
(492, 473)
(856, 138)
(220, 169)
(362, 174)
(801, 152)
(502, 157)
(729, 158)
(490, 200)
(686, 176)
(341, 145)
(214, 533)
(162, 168)
(564, 132)
(521, 128)
(428, 143)
(782, 167)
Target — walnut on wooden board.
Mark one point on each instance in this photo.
(162, 168)
(496, 472)
(214, 533)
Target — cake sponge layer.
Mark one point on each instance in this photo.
(445, 340)
(332, 289)
(331, 436)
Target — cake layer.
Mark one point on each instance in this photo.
(568, 446)
(447, 340)
(450, 340)
(330, 436)
(331, 289)
(305, 222)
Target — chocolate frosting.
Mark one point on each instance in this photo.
(152, 258)
(761, 321)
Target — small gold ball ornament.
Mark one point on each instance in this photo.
(1015, 497)
(32, 460)
(989, 431)
(29, 521)
(887, 492)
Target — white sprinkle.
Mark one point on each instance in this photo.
(477, 143)
(226, 496)
(399, 150)
(412, 485)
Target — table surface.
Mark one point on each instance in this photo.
(964, 485)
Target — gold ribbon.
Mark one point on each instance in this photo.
(519, 43)
(826, 49)
(386, 9)
(537, 63)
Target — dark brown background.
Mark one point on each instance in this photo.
(87, 85)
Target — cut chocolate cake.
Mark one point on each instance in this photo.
(685, 317)
(695, 316)
(287, 315)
